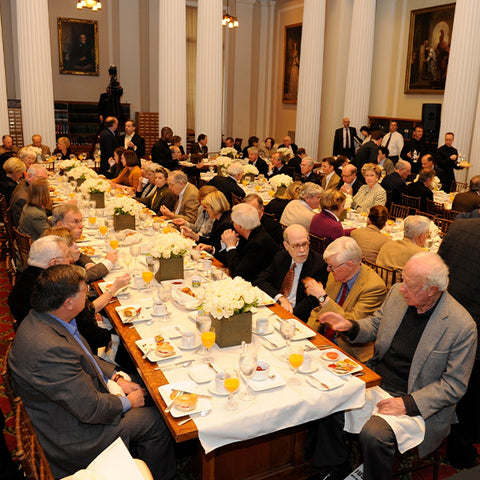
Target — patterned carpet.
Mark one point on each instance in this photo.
(185, 468)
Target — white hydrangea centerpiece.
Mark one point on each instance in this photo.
(95, 185)
(67, 165)
(81, 173)
(229, 297)
(171, 245)
(281, 180)
(249, 169)
(229, 152)
(223, 162)
(124, 206)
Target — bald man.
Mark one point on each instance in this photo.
(343, 142)
(37, 143)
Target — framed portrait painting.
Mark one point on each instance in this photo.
(429, 49)
(78, 46)
(293, 39)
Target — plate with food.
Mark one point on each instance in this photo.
(122, 293)
(158, 348)
(87, 250)
(302, 331)
(184, 297)
(132, 313)
(339, 363)
(265, 299)
(187, 398)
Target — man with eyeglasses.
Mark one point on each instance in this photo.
(350, 183)
(352, 290)
(284, 280)
(425, 345)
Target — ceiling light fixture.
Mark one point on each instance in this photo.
(93, 4)
(229, 20)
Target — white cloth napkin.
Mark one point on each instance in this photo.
(409, 431)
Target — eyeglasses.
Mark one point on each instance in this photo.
(333, 268)
(299, 246)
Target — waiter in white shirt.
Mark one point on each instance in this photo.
(393, 140)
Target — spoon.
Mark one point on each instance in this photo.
(147, 353)
(141, 322)
(203, 413)
(175, 365)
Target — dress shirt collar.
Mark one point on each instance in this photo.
(332, 214)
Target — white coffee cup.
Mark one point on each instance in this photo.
(307, 362)
(138, 282)
(206, 265)
(188, 339)
(159, 308)
(220, 382)
(262, 326)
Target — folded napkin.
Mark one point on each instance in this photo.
(330, 380)
(409, 431)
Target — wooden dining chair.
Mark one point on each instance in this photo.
(389, 275)
(29, 450)
(412, 202)
(458, 186)
(319, 244)
(6, 377)
(7, 225)
(443, 224)
(450, 214)
(435, 208)
(23, 243)
(398, 211)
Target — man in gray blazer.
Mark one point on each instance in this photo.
(425, 344)
(65, 387)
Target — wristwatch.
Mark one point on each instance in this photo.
(322, 298)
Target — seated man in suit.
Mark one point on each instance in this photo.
(284, 280)
(69, 216)
(301, 210)
(278, 166)
(425, 344)
(395, 182)
(352, 289)
(229, 185)
(268, 221)
(350, 182)
(468, 201)
(37, 143)
(200, 146)
(384, 161)
(295, 162)
(187, 204)
(256, 161)
(250, 249)
(131, 140)
(396, 254)
(421, 187)
(308, 175)
(161, 153)
(428, 162)
(70, 404)
(331, 179)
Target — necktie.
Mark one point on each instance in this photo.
(343, 295)
(388, 141)
(329, 332)
(288, 281)
(153, 199)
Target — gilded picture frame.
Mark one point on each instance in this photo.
(78, 46)
(429, 49)
(293, 40)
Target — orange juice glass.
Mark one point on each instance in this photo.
(103, 230)
(92, 220)
(232, 384)
(208, 339)
(114, 244)
(147, 276)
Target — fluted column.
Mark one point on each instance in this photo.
(310, 76)
(462, 85)
(208, 95)
(35, 70)
(4, 127)
(360, 59)
(172, 82)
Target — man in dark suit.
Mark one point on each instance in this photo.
(421, 188)
(268, 222)
(200, 146)
(459, 250)
(256, 161)
(308, 175)
(308, 263)
(414, 149)
(278, 166)
(250, 249)
(395, 182)
(296, 161)
(108, 143)
(131, 140)
(71, 399)
(229, 185)
(368, 152)
(287, 143)
(350, 182)
(161, 153)
(343, 142)
(446, 158)
(468, 201)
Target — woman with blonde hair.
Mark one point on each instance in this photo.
(372, 193)
(63, 148)
(277, 205)
(14, 172)
(33, 220)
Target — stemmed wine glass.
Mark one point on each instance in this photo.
(295, 357)
(163, 293)
(248, 365)
(287, 331)
(231, 380)
(135, 252)
(203, 324)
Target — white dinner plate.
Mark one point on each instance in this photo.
(146, 344)
(201, 374)
(331, 365)
(142, 317)
(166, 390)
(212, 388)
(268, 383)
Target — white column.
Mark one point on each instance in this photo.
(208, 95)
(360, 59)
(462, 85)
(310, 76)
(264, 69)
(35, 70)
(4, 126)
(172, 81)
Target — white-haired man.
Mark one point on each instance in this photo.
(187, 205)
(308, 175)
(229, 185)
(302, 210)
(255, 160)
(353, 290)
(250, 249)
(396, 254)
(37, 143)
(425, 344)
(396, 181)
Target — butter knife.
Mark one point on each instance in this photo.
(325, 386)
(274, 345)
(212, 367)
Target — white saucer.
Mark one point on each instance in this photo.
(313, 368)
(181, 347)
(268, 332)
(212, 388)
